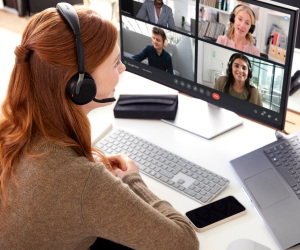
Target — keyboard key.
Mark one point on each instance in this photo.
(198, 196)
(208, 195)
(199, 172)
(212, 184)
(182, 171)
(215, 189)
(157, 175)
(195, 176)
(167, 174)
(196, 183)
(202, 192)
(200, 178)
(204, 199)
(176, 185)
(190, 192)
(207, 188)
(172, 164)
(181, 163)
(192, 187)
(216, 180)
(286, 175)
(210, 177)
(221, 183)
(181, 188)
(180, 181)
(189, 173)
(169, 169)
(176, 170)
(204, 175)
(197, 189)
(170, 182)
(206, 181)
(164, 179)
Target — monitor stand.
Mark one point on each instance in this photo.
(203, 119)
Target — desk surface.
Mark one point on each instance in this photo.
(212, 154)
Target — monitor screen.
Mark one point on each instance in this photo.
(233, 54)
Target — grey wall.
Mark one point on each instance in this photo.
(185, 56)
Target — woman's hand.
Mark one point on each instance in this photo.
(122, 165)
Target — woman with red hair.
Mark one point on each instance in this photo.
(56, 190)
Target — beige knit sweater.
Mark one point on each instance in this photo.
(63, 201)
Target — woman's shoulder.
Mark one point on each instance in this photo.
(254, 91)
(220, 83)
(253, 49)
(222, 39)
(222, 80)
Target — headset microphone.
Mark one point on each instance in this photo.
(105, 100)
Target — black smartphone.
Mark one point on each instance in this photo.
(215, 213)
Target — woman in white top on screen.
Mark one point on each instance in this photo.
(240, 29)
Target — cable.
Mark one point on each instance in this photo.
(279, 135)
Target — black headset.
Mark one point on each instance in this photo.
(232, 17)
(230, 62)
(81, 88)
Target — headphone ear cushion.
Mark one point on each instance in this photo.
(228, 70)
(231, 17)
(252, 28)
(250, 74)
(87, 92)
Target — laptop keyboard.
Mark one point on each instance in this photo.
(285, 157)
(175, 172)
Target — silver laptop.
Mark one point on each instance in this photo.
(270, 176)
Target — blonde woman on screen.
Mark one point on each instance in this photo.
(240, 29)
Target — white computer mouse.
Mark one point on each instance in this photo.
(245, 244)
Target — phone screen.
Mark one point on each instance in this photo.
(215, 211)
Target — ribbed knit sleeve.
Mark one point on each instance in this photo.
(128, 213)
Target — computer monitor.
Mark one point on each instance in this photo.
(251, 79)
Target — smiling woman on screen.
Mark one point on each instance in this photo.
(237, 81)
(240, 29)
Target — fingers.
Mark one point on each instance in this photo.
(121, 160)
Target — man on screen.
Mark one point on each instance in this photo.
(158, 13)
(157, 56)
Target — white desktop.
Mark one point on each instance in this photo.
(214, 154)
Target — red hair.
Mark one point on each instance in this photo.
(36, 102)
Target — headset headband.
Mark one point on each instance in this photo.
(70, 15)
(246, 7)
